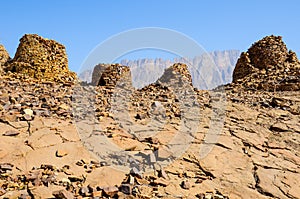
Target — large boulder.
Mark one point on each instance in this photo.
(41, 58)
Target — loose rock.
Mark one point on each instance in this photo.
(63, 194)
(61, 153)
(185, 184)
(11, 133)
(110, 191)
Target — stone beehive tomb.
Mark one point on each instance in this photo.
(264, 54)
(4, 57)
(41, 58)
(110, 74)
(268, 65)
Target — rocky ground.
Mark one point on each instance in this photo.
(256, 154)
(64, 139)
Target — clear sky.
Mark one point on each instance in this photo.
(216, 25)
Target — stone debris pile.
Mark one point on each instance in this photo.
(155, 99)
(24, 100)
(176, 80)
(40, 58)
(269, 66)
(261, 99)
(152, 186)
(62, 184)
(177, 72)
(164, 95)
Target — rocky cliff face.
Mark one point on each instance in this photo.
(268, 65)
(41, 59)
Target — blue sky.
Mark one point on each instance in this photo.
(216, 25)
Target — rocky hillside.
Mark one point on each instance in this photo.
(60, 139)
(224, 61)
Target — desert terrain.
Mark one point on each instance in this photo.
(63, 138)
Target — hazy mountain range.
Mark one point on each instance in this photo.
(207, 70)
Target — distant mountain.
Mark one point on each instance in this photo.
(207, 70)
(86, 75)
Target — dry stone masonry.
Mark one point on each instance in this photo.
(4, 57)
(97, 72)
(268, 52)
(268, 65)
(114, 74)
(176, 72)
(42, 59)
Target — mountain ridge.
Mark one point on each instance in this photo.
(223, 61)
